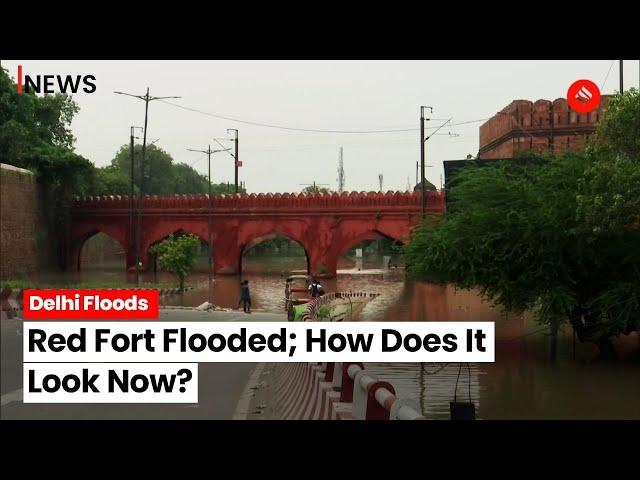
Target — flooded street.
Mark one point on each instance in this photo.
(522, 384)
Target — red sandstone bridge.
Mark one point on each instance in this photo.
(326, 225)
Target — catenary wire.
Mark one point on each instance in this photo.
(310, 130)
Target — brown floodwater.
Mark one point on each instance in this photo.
(523, 383)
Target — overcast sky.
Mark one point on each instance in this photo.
(323, 95)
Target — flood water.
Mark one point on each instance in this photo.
(522, 384)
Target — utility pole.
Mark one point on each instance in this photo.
(235, 156)
(423, 141)
(621, 77)
(380, 177)
(208, 151)
(423, 201)
(340, 174)
(132, 235)
(147, 98)
(416, 174)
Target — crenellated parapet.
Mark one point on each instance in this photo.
(266, 201)
(540, 126)
(325, 225)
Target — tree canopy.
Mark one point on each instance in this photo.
(177, 255)
(162, 175)
(315, 189)
(35, 133)
(558, 236)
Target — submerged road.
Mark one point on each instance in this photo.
(226, 390)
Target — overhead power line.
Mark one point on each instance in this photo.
(604, 82)
(310, 130)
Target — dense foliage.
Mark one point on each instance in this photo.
(162, 176)
(315, 189)
(556, 235)
(35, 134)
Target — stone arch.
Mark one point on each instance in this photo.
(158, 231)
(257, 239)
(368, 235)
(352, 232)
(81, 238)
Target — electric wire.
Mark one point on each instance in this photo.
(604, 82)
(309, 130)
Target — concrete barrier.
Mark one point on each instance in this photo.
(336, 391)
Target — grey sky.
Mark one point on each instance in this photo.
(328, 95)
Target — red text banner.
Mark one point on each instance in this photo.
(90, 304)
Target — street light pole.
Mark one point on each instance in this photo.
(208, 151)
(147, 98)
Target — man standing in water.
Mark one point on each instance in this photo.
(245, 297)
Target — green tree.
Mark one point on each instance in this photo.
(315, 189)
(557, 236)
(177, 255)
(619, 130)
(162, 175)
(35, 134)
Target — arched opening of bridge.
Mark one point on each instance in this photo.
(101, 257)
(200, 267)
(273, 253)
(374, 251)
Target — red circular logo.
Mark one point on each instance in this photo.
(583, 96)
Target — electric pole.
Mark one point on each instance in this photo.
(423, 201)
(340, 173)
(621, 77)
(380, 177)
(423, 141)
(147, 98)
(235, 156)
(132, 235)
(208, 151)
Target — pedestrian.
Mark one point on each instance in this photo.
(245, 297)
(316, 289)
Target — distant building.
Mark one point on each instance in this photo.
(428, 186)
(539, 126)
(451, 167)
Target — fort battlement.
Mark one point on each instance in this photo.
(540, 126)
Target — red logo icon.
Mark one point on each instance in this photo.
(583, 96)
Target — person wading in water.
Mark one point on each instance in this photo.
(245, 297)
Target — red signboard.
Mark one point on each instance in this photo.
(90, 304)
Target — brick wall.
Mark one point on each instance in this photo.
(18, 221)
(539, 126)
